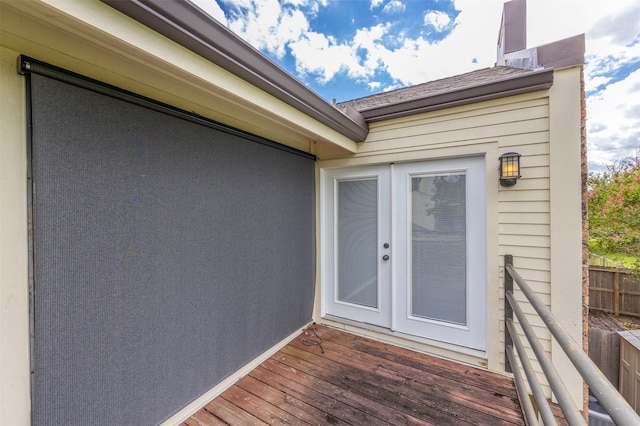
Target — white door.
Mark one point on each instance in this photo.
(404, 248)
(356, 238)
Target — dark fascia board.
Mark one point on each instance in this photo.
(187, 25)
(536, 80)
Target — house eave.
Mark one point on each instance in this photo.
(537, 80)
(187, 25)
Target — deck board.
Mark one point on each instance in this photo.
(440, 386)
(230, 413)
(361, 381)
(204, 418)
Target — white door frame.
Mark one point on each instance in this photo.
(393, 310)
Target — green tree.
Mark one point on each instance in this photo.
(614, 210)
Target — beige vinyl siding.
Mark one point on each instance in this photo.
(532, 218)
(515, 229)
(15, 403)
(466, 124)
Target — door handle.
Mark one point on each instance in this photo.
(385, 257)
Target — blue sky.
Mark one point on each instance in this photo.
(346, 49)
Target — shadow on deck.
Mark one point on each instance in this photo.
(360, 381)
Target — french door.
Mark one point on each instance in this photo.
(403, 248)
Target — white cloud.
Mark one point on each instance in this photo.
(240, 4)
(620, 27)
(315, 53)
(297, 3)
(391, 87)
(394, 6)
(375, 4)
(612, 43)
(267, 26)
(613, 119)
(419, 60)
(438, 20)
(374, 85)
(237, 4)
(211, 8)
(407, 63)
(368, 39)
(613, 113)
(415, 60)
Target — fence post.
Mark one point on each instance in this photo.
(508, 311)
(616, 293)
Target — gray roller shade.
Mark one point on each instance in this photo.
(167, 254)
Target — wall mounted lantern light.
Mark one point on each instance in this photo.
(509, 168)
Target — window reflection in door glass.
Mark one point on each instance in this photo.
(438, 258)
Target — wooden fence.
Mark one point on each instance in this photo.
(604, 343)
(614, 290)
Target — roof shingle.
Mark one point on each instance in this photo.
(444, 85)
(476, 86)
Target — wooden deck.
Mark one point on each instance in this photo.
(359, 381)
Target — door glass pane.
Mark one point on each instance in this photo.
(358, 242)
(438, 247)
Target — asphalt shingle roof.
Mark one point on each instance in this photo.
(436, 87)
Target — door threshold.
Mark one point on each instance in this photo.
(474, 357)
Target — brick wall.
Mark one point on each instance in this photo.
(585, 231)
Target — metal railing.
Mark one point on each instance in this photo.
(608, 397)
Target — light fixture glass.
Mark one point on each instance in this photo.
(509, 168)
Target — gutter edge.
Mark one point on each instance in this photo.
(185, 24)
